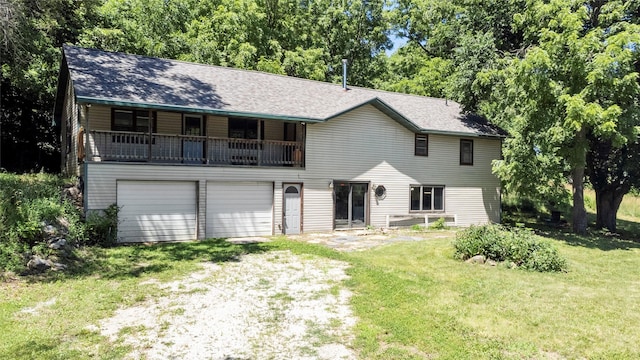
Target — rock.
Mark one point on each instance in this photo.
(491, 263)
(49, 230)
(63, 222)
(478, 259)
(58, 244)
(39, 264)
(58, 267)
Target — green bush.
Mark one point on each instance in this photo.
(519, 246)
(439, 224)
(27, 203)
(102, 228)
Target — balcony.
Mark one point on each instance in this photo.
(161, 148)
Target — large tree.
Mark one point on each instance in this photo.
(575, 78)
(305, 39)
(32, 33)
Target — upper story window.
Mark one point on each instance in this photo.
(421, 147)
(133, 120)
(466, 152)
(427, 198)
(245, 128)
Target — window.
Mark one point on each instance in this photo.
(421, 145)
(427, 198)
(132, 120)
(245, 128)
(466, 152)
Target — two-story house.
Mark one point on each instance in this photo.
(190, 151)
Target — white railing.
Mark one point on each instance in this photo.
(131, 146)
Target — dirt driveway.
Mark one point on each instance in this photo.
(273, 305)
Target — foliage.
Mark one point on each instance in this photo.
(102, 228)
(305, 39)
(576, 77)
(27, 203)
(440, 224)
(32, 34)
(450, 43)
(518, 246)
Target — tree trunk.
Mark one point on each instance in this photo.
(579, 214)
(607, 204)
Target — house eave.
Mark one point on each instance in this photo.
(462, 134)
(193, 110)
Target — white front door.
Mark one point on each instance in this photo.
(291, 208)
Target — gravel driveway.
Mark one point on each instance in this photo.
(273, 305)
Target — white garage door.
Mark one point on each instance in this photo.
(239, 209)
(156, 211)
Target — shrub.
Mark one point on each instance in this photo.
(102, 228)
(27, 203)
(439, 224)
(519, 246)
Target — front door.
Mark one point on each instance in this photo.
(350, 204)
(291, 208)
(193, 144)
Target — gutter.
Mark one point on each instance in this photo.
(192, 110)
(376, 102)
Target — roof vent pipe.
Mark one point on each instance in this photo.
(344, 74)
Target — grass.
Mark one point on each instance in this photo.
(413, 300)
(94, 288)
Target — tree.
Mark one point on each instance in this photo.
(304, 39)
(613, 172)
(469, 35)
(575, 78)
(33, 31)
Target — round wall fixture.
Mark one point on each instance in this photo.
(381, 192)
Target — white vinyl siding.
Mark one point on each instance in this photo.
(239, 209)
(152, 211)
(363, 145)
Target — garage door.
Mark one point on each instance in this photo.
(156, 211)
(239, 209)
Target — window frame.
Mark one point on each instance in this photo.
(468, 151)
(421, 199)
(424, 137)
(245, 128)
(134, 120)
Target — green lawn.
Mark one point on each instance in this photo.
(414, 301)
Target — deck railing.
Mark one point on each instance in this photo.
(162, 148)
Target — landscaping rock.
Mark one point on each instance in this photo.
(478, 259)
(58, 244)
(39, 264)
(49, 230)
(491, 263)
(58, 267)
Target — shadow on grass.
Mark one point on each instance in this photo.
(135, 260)
(628, 236)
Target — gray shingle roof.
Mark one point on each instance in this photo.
(116, 78)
